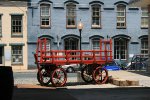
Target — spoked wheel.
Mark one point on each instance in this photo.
(86, 73)
(43, 76)
(59, 77)
(100, 75)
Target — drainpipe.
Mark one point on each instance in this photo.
(148, 69)
(58, 41)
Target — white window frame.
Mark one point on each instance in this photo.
(71, 8)
(45, 17)
(97, 46)
(144, 18)
(17, 54)
(48, 47)
(94, 25)
(117, 48)
(16, 30)
(144, 47)
(121, 17)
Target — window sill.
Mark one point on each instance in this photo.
(96, 27)
(17, 36)
(121, 28)
(42, 27)
(144, 27)
(15, 64)
(71, 27)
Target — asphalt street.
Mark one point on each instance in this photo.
(91, 92)
(31, 77)
(136, 93)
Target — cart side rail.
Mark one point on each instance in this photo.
(61, 57)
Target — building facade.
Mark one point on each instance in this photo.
(57, 21)
(13, 34)
(143, 3)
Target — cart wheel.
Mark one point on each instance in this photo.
(100, 75)
(43, 76)
(86, 74)
(59, 77)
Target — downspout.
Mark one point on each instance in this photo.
(148, 69)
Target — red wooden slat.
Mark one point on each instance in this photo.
(84, 56)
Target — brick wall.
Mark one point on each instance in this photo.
(108, 15)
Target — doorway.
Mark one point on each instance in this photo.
(71, 43)
(120, 49)
(1, 56)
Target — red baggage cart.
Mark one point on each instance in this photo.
(49, 63)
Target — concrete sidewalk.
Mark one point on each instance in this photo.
(117, 79)
(130, 78)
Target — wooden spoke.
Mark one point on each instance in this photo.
(59, 77)
(100, 75)
(43, 76)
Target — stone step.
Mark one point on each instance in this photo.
(124, 82)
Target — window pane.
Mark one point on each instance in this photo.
(16, 24)
(144, 47)
(71, 15)
(45, 15)
(144, 21)
(95, 44)
(17, 55)
(144, 11)
(47, 45)
(121, 19)
(121, 16)
(95, 21)
(144, 18)
(96, 16)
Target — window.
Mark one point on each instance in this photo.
(95, 44)
(0, 26)
(96, 16)
(120, 48)
(45, 15)
(71, 15)
(48, 48)
(47, 45)
(17, 54)
(144, 47)
(144, 18)
(121, 16)
(71, 44)
(16, 27)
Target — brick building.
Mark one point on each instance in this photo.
(13, 34)
(57, 20)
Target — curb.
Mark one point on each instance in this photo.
(31, 86)
(20, 71)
